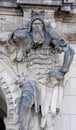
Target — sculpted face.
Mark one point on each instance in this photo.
(38, 33)
(37, 25)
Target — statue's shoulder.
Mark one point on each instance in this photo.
(20, 33)
(53, 33)
(56, 39)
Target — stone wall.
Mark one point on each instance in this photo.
(13, 18)
(66, 24)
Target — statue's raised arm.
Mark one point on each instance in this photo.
(18, 44)
(62, 45)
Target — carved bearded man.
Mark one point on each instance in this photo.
(45, 72)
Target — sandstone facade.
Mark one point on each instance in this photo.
(17, 14)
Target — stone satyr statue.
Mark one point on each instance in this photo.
(43, 87)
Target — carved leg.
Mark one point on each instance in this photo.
(54, 101)
(60, 97)
(35, 121)
(29, 96)
(46, 107)
(50, 121)
(24, 117)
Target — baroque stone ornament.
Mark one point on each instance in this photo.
(42, 91)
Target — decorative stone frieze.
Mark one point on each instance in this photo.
(11, 93)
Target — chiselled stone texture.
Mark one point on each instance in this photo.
(35, 66)
(8, 3)
(40, 2)
(11, 93)
(70, 1)
(10, 19)
(65, 23)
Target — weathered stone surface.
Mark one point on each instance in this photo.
(8, 3)
(40, 2)
(10, 19)
(69, 1)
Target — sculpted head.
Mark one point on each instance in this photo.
(38, 31)
(37, 25)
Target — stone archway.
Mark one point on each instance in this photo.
(2, 125)
(3, 104)
(3, 109)
(11, 93)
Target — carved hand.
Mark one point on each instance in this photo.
(59, 75)
(54, 79)
(56, 75)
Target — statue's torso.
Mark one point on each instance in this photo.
(38, 64)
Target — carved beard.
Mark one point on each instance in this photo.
(38, 36)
